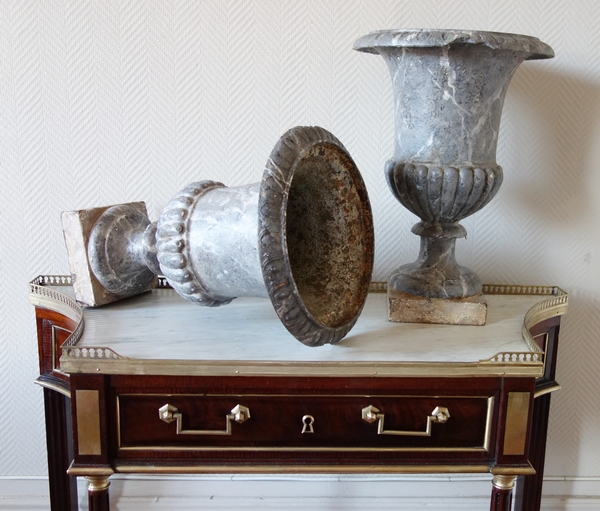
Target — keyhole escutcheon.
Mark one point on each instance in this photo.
(307, 424)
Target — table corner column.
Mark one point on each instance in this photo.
(502, 491)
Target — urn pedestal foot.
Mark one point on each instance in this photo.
(125, 273)
(408, 308)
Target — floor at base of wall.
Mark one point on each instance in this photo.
(317, 493)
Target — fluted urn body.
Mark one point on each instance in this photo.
(449, 89)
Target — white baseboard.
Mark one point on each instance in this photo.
(317, 493)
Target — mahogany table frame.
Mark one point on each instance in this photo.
(54, 328)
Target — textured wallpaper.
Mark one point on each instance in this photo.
(113, 101)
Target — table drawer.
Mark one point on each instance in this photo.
(323, 422)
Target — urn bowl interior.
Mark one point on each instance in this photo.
(327, 235)
(315, 235)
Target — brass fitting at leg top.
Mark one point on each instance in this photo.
(97, 483)
(504, 482)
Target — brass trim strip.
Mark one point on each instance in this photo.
(484, 448)
(366, 396)
(53, 386)
(173, 367)
(544, 349)
(488, 424)
(517, 415)
(545, 343)
(304, 469)
(526, 471)
(307, 449)
(88, 422)
(118, 403)
(80, 471)
(547, 390)
(55, 358)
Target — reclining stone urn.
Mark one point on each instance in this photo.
(449, 88)
(303, 237)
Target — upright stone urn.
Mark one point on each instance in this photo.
(449, 88)
(302, 236)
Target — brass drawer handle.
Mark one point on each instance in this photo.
(169, 413)
(371, 414)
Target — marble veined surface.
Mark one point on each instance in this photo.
(161, 325)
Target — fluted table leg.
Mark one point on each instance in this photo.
(98, 499)
(502, 489)
(63, 488)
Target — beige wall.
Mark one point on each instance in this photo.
(114, 101)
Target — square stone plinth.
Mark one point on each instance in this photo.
(407, 308)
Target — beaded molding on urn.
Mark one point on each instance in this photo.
(172, 244)
(443, 194)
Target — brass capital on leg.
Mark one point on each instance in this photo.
(504, 482)
(97, 486)
(97, 483)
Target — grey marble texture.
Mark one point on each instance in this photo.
(116, 253)
(449, 89)
(302, 236)
(223, 231)
(436, 272)
(430, 38)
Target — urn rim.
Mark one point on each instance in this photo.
(287, 289)
(375, 41)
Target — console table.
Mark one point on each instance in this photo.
(154, 384)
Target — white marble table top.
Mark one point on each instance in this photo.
(161, 333)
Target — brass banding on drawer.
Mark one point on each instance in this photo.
(416, 423)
